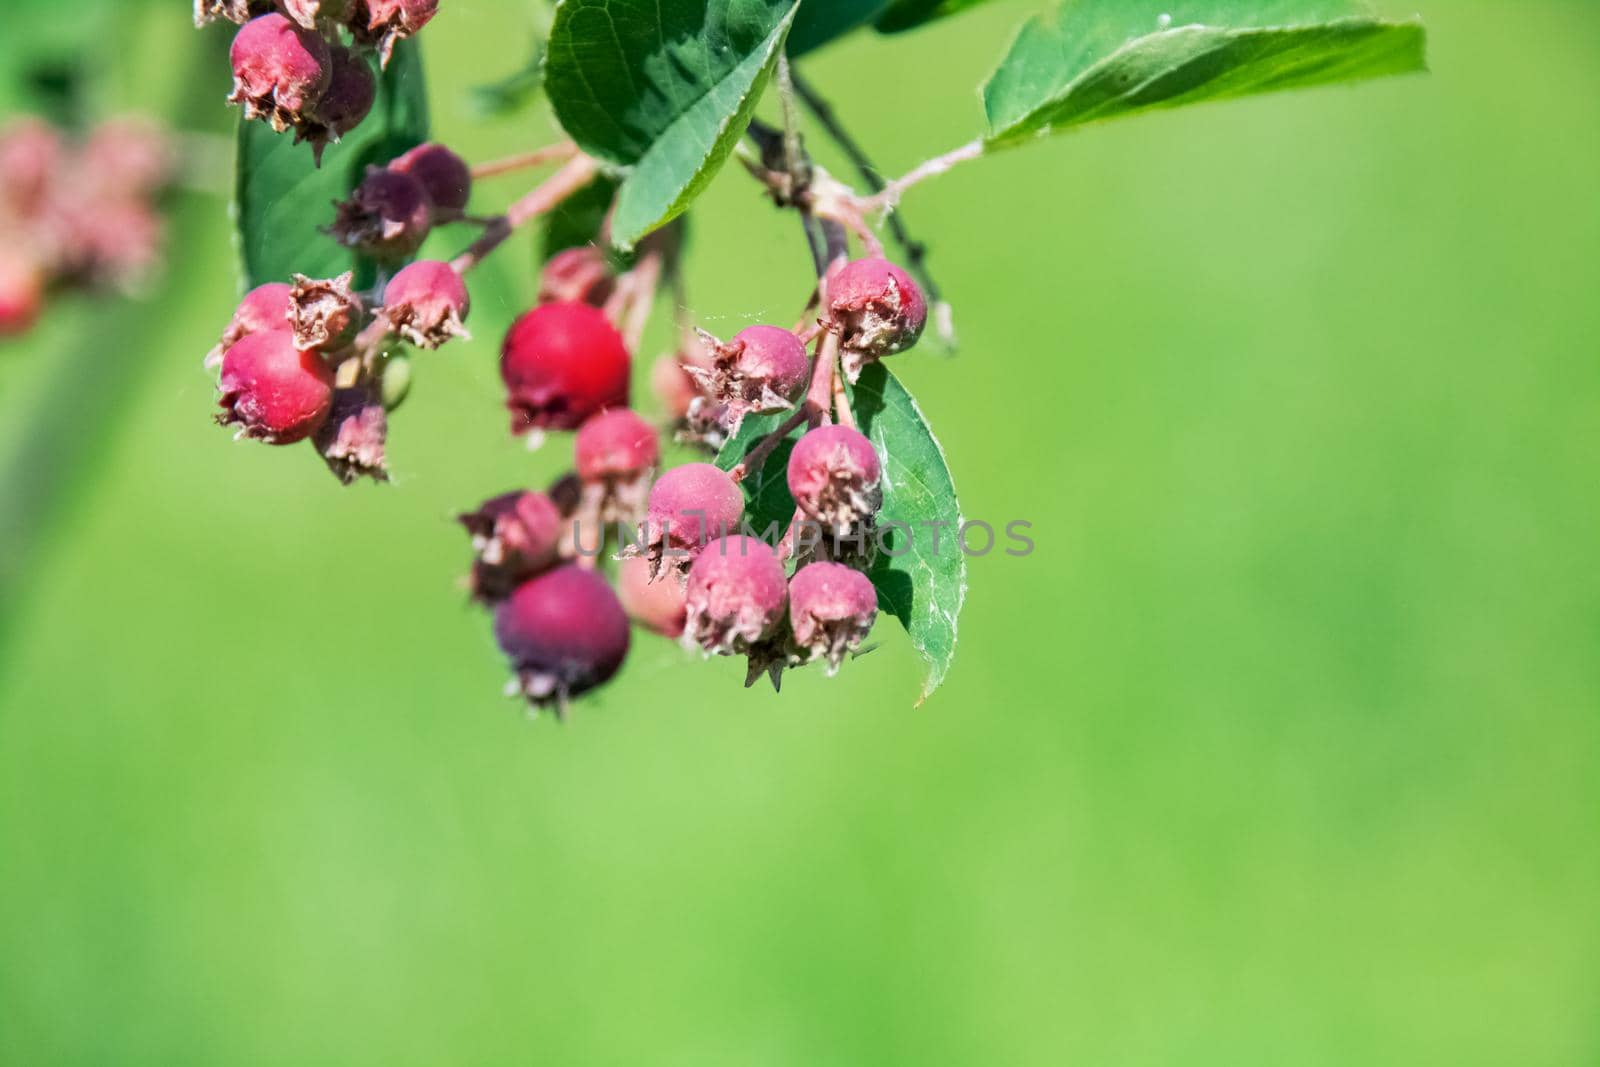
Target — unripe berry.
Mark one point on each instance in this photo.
(351, 92)
(756, 372)
(735, 596)
(514, 537)
(657, 606)
(615, 445)
(831, 610)
(388, 216)
(673, 386)
(266, 307)
(877, 310)
(689, 506)
(383, 22)
(280, 70)
(274, 391)
(564, 632)
(324, 313)
(561, 364)
(21, 294)
(426, 302)
(444, 175)
(577, 274)
(834, 477)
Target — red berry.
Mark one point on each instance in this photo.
(564, 632)
(280, 70)
(759, 371)
(831, 611)
(562, 363)
(351, 92)
(657, 606)
(577, 274)
(426, 303)
(689, 506)
(266, 307)
(444, 175)
(834, 477)
(877, 309)
(514, 537)
(615, 445)
(274, 391)
(383, 22)
(735, 595)
(387, 217)
(21, 295)
(324, 312)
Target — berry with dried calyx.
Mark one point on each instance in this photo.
(382, 23)
(834, 477)
(240, 11)
(831, 610)
(579, 274)
(565, 633)
(562, 363)
(735, 595)
(688, 507)
(514, 537)
(318, 14)
(657, 606)
(615, 453)
(877, 310)
(266, 307)
(272, 390)
(758, 372)
(351, 441)
(388, 216)
(443, 175)
(426, 303)
(324, 313)
(348, 100)
(280, 70)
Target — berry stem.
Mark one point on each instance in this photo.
(841, 403)
(641, 284)
(527, 160)
(577, 173)
(888, 198)
(819, 395)
(763, 448)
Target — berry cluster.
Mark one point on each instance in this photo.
(76, 214)
(302, 64)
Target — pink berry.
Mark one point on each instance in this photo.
(382, 23)
(426, 303)
(514, 537)
(564, 632)
(616, 445)
(877, 309)
(759, 371)
(266, 307)
(21, 295)
(562, 363)
(673, 386)
(831, 611)
(352, 439)
(274, 391)
(128, 157)
(834, 477)
(351, 92)
(689, 506)
(280, 70)
(444, 175)
(324, 313)
(577, 274)
(388, 216)
(31, 157)
(735, 596)
(657, 606)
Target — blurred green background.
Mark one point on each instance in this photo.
(1280, 749)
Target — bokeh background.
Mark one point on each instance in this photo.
(1281, 748)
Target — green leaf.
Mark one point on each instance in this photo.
(1092, 60)
(821, 21)
(664, 88)
(922, 577)
(902, 15)
(284, 200)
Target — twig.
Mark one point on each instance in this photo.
(537, 158)
(560, 185)
(888, 198)
(763, 448)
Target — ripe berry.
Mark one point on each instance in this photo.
(324, 312)
(562, 363)
(689, 506)
(384, 22)
(834, 477)
(735, 595)
(444, 175)
(831, 611)
(276, 392)
(877, 309)
(426, 302)
(280, 70)
(21, 295)
(657, 606)
(577, 274)
(564, 632)
(349, 98)
(351, 440)
(514, 537)
(615, 445)
(756, 372)
(266, 307)
(388, 216)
